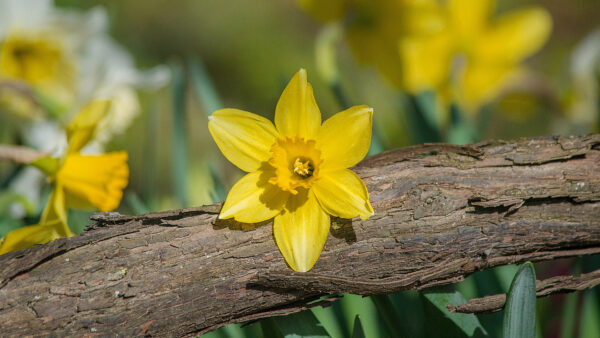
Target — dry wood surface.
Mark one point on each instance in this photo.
(442, 212)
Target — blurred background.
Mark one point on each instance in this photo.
(434, 71)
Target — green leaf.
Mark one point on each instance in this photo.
(569, 309)
(179, 149)
(48, 165)
(270, 328)
(204, 87)
(357, 331)
(418, 114)
(78, 220)
(504, 275)
(8, 224)
(331, 317)
(409, 306)
(388, 313)
(351, 305)
(325, 51)
(136, 204)
(462, 130)
(590, 325)
(53, 107)
(446, 321)
(301, 324)
(7, 198)
(519, 312)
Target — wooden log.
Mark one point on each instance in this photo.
(442, 212)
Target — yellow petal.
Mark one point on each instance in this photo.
(52, 226)
(82, 128)
(343, 194)
(425, 61)
(297, 113)
(371, 49)
(515, 36)
(253, 199)
(28, 236)
(96, 179)
(469, 17)
(482, 83)
(345, 138)
(301, 231)
(56, 209)
(244, 138)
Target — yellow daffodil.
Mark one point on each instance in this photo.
(297, 169)
(374, 29)
(453, 47)
(53, 58)
(80, 181)
(35, 59)
(486, 53)
(91, 181)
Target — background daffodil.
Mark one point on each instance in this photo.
(80, 181)
(454, 47)
(483, 55)
(53, 225)
(297, 169)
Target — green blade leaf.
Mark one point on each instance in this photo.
(519, 312)
(388, 313)
(351, 305)
(204, 87)
(179, 150)
(468, 325)
(589, 326)
(301, 324)
(357, 331)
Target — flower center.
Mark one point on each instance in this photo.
(303, 167)
(32, 59)
(296, 162)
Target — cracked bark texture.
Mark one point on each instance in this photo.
(442, 212)
(558, 284)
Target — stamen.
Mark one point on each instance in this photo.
(303, 168)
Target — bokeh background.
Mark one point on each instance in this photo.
(240, 54)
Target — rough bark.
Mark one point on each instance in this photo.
(442, 212)
(558, 284)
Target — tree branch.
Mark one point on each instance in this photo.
(19, 154)
(559, 284)
(442, 212)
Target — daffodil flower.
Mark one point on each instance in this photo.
(479, 55)
(455, 47)
(53, 225)
(297, 169)
(59, 57)
(89, 181)
(80, 181)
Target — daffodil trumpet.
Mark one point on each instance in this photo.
(297, 170)
(80, 181)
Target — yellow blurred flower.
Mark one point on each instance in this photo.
(80, 181)
(59, 57)
(40, 60)
(53, 225)
(487, 53)
(453, 47)
(375, 27)
(91, 180)
(297, 169)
